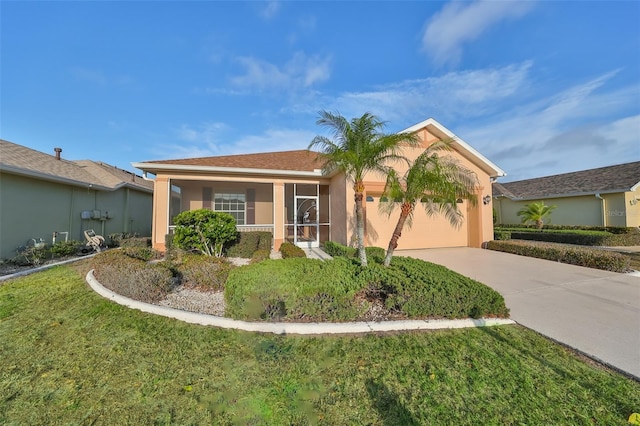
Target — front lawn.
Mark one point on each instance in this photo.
(72, 357)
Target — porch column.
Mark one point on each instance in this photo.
(161, 199)
(278, 214)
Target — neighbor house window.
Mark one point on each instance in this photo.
(234, 204)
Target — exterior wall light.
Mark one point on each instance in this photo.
(486, 199)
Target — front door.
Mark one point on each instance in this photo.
(306, 222)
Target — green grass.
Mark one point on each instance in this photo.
(71, 357)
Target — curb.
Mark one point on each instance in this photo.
(43, 267)
(287, 327)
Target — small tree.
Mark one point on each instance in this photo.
(535, 212)
(437, 182)
(204, 230)
(358, 147)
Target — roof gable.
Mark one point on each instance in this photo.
(618, 178)
(460, 145)
(25, 161)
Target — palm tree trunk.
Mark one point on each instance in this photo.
(397, 232)
(362, 254)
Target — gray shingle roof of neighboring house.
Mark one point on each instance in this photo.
(25, 161)
(619, 178)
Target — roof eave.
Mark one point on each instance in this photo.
(573, 194)
(155, 167)
(58, 179)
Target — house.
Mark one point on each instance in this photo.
(607, 196)
(42, 194)
(287, 194)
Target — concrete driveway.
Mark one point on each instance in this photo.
(593, 311)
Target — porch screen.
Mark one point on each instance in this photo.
(234, 204)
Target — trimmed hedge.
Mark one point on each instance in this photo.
(333, 290)
(132, 277)
(587, 237)
(249, 242)
(574, 255)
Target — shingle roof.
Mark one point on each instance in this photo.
(619, 178)
(19, 159)
(299, 160)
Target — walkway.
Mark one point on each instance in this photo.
(596, 312)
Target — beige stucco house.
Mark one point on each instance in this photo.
(42, 194)
(287, 194)
(606, 196)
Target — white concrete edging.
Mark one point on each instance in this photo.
(288, 327)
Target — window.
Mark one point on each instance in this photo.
(234, 204)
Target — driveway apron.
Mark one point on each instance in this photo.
(596, 312)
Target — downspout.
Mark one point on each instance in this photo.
(71, 211)
(604, 216)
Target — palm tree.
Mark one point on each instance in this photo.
(359, 146)
(535, 212)
(437, 182)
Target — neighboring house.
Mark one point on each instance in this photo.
(41, 194)
(607, 196)
(287, 194)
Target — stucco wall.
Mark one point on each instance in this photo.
(435, 231)
(610, 210)
(192, 196)
(632, 203)
(33, 208)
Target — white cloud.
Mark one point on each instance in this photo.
(301, 71)
(576, 129)
(270, 10)
(203, 140)
(455, 94)
(274, 139)
(461, 22)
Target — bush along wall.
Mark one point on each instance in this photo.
(249, 242)
(574, 255)
(588, 236)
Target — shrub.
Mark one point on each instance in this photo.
(116, 239)
(422, 289)
(203, 271)
(574, 255)
(204, 230)
(248, 242)
(295, 289)
(31, 254)
(314, 290)
(501, 234)
(131, 277)
(260, 255)
(334, 249)
(291, 250)
(65, 248)
(142, 253)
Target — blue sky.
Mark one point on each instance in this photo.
(538, 87)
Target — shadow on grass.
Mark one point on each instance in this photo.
(565, 371)
(388, 405)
